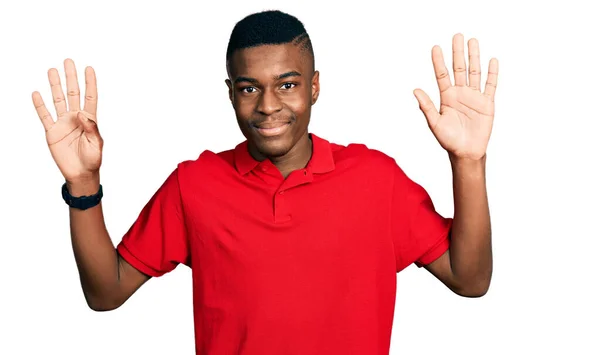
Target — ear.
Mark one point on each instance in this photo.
(230, 86)
(315, 86)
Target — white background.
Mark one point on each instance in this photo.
(163, 99)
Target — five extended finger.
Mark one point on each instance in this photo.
(474, 64)
(458, 60)
(440, 70)
(492, 79)
(426, 105)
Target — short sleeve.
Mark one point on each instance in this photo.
(157, 241)
(420, 233)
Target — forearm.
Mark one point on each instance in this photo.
(471, 246)
(94, 251)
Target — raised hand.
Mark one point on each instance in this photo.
(74, 140)
(463, 124)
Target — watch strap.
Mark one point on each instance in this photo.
(81, 202)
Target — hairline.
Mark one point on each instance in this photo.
(303, 40)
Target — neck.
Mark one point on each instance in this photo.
(296, 158)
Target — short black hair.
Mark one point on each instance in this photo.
(268, 27)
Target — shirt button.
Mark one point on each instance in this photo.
(263, 168)
(281, 192)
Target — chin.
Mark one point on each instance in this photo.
(274, 147)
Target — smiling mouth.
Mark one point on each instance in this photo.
(271, 129)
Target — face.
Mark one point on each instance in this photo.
(272, 89)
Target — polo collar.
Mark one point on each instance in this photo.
(320, 162)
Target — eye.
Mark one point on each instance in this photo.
(288, 86)
(248, 89)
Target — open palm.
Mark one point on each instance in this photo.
(73, 139)
(463, 124)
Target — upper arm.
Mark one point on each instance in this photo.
(419, 232)
(157, 241)
(442, 270)
(130, 279)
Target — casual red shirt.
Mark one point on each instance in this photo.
(303, 265)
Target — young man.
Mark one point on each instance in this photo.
(294, 242)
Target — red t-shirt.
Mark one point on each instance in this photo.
(303, 265)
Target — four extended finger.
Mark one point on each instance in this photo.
(42, 111)
(57, 93)
(91, 92)
(72, 85)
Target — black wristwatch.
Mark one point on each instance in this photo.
(82, 202)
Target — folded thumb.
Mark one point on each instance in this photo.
(89, 127)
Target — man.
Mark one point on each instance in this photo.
(294, 242)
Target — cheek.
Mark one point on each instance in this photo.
(243, 108)
(299, 104)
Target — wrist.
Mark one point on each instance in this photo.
(467, 166)
(84, 186)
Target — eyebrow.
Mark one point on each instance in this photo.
(241, 79)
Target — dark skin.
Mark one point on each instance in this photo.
(108, 280)
(278, 83)
(272, 87)
(269, 86)
(466, 267)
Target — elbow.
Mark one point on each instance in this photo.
(474, 284)
(472, 292)
(475, 289)
(98, 304)
(102, 308)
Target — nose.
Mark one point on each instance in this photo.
(269, 103)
